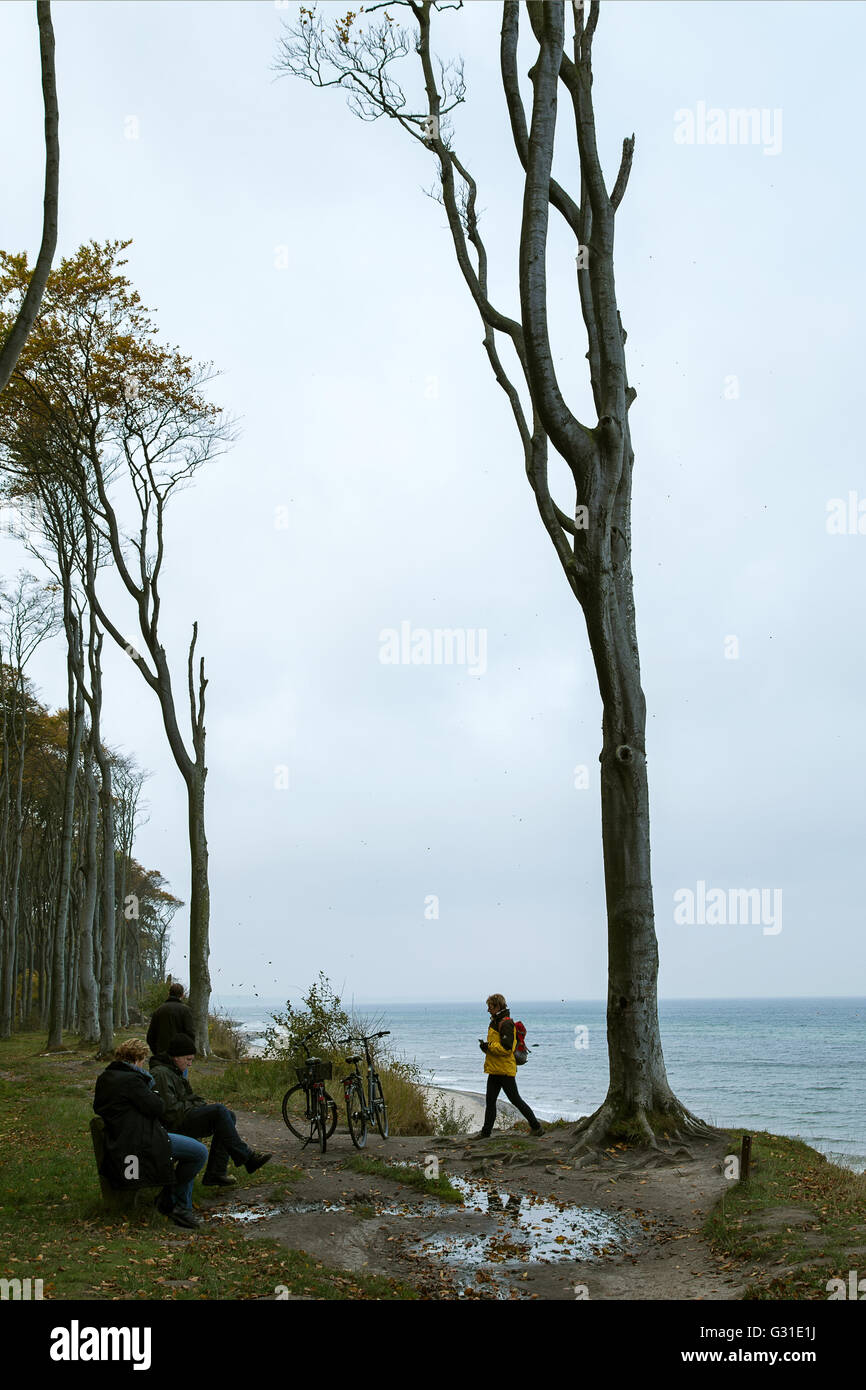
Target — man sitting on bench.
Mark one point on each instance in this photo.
(187, 1113)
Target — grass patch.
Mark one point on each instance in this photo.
(822, 1236)
(53, 1226)
(280, 1177)
(226, 1038)
(409, 1177)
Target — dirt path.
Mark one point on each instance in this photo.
(634, 1235)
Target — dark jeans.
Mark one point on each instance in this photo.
(508, 1084)
(227, 1143)
(191, 1158)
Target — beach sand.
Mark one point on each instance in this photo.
(472, 1103)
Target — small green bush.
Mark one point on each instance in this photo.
(152, 996)
(225, 1037)
(321, 1013)
(446, 1119)
(264, 1081)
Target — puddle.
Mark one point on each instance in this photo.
(263, 1211)
(528, 1230)
(533, 1230)
(520, 1230)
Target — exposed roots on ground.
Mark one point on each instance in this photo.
(611, 1124)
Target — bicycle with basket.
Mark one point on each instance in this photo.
(316, 1120)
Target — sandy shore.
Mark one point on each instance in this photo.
(471, 1102)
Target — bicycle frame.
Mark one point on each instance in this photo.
(315, 1094)
(372, 1074)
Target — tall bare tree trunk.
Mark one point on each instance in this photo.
(14, 828)
(73, 746)
(199, 907)
(106, 970)
(192, 769)
(593, 541)
(11, 348)
(88, 1023)
(106, 804)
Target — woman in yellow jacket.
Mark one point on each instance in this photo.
(500, 1066)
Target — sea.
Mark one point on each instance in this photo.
(789, 1066)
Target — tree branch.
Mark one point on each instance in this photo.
(561, 200)
(26, 317)
(569, 436)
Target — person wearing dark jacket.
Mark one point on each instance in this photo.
(138, 1148)
(190, 1114)
(172, 1016)
(500, 1066)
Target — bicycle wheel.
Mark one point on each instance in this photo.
(380, 1109)
(296, 1112)
(332, 1113)
(356, 1115)
(322, 1118)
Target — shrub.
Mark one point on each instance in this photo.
(265, 1080)
(225, 1037)
(152, 996)
(445, 1119)
(322, 1013)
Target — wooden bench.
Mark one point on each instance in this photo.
(113, 1198)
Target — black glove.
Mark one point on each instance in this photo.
(483, 1046)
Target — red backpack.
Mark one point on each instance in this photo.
(521, 1054)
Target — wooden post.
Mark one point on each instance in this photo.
(745, 1157)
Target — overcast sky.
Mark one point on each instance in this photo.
(293, 245)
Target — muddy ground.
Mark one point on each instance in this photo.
(534, 1226)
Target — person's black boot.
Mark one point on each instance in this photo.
(256, 1161)
(185, 1216)
(219, 1180)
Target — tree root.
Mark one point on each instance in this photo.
(611, 1124)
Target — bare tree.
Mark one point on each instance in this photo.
(128, 780)
(88, 1001)
(101, 408)
(26, 316)
(592, 538)
(27, 617)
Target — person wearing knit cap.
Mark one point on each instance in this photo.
(190, 1114)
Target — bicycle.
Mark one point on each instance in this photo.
(319, 1118)
(358, 1109)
